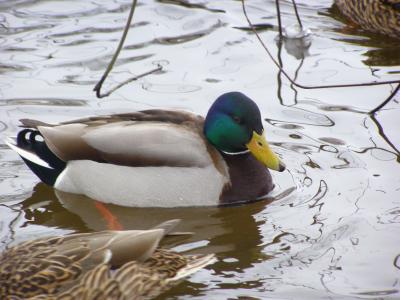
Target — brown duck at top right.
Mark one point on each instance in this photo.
(378, 16)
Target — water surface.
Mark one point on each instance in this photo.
(331, 227)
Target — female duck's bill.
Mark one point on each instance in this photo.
(156, 157)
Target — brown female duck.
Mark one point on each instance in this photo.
(101, 265)
(378, 16)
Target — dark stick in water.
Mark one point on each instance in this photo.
(99, 84)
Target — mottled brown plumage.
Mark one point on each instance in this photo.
(378, 16)
(81, 266)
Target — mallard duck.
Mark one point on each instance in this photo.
(379, 16)
(156, 157)
(99, 265)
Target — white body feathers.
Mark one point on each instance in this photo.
(143, 186)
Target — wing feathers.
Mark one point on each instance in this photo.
(154, 144)
(66, 142)
(145, 138)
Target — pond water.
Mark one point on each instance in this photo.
(331, 226)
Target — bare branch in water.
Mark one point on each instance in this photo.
(386, 101)
(297, 14)
(308, 87)
(159, 68)
(98, 86)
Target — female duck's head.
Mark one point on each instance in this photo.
(233, 124)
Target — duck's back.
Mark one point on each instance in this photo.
(379, 16)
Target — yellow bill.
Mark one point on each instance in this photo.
(260, 149)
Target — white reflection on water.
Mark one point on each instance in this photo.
(333, 229)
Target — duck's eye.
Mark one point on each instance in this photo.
(237, 119)
(259, 144)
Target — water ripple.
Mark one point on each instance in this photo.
(333, 216)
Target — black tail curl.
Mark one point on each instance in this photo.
(27, 140)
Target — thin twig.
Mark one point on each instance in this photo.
(297, 14)
(278, 13)
(307, 87)
(98, 86)
(388, 99)
(383, 135)
(159, 68)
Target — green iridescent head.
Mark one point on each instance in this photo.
(233, 124)
(231, 120)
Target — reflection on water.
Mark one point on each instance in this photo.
(330, 227)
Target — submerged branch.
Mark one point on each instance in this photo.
(309, 87)
(99, 84)
(159, 68)
(386, 101)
